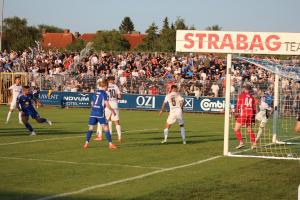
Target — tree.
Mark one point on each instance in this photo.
(76, 46)
(50, 28)
(192, 27)
(17, 35)
(126, 26)
(151, 39)
(167, 38)
(180, 24)
(214, 28)
(110, 41)
(165, 24)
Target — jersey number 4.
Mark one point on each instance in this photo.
(248, 102)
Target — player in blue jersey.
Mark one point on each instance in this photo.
(25, 106)
(99, 103)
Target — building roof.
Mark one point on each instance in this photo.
(61, 40)
(57, 40)
(134, 39)
(87, 36)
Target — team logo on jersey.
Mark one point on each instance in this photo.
(145, 102)
(213, 105)
(188, 104)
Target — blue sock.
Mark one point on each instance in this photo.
(88, 135)
(29, 127)
(43, 120)
(108, 136)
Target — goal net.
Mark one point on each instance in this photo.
(276, 89)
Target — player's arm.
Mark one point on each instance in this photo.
(37, 102)
(107, 105)
(19, 107)
(119, 94)
(238, 106)
(181, 103)
(162, 108)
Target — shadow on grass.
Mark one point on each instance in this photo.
(40, 131)
(32, 196)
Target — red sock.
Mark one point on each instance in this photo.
(252, 136)
(239, 135)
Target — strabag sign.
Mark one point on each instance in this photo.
(238, 42)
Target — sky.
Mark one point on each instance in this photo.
(88, 16)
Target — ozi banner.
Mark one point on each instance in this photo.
(133, 101)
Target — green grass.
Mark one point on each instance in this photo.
(35, 170)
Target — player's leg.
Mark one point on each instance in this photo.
(182, 129)
(105, 127)
(25, 119)
(166, 132)
(237, 131)
(250, 132)
(8, 115)
(116, 120)
(39, 119)
(297, 126)
(99, 132)
(88, 136)
(92, 122)
(261, 128)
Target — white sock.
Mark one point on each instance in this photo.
(182, 131)
(118, 127)
(259, 133)
(8, 116)
(166, 131)
(99, 130)
(20, 116)
(110, 127)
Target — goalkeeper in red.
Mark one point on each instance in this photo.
(245, 115)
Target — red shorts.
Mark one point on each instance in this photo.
(245, 120)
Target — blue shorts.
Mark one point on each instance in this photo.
(94, 120)
(32, 113)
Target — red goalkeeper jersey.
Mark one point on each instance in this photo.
(246, 105)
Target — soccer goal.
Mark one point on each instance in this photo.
(277, 95)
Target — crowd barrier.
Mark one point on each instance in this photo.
(133, 101)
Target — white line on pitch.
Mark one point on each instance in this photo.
(78, 163)
(128, 179)
(71, 137)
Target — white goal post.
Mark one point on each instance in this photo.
(236, 43)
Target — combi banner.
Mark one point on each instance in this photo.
(133, 101)
(238, 42)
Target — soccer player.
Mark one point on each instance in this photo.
(25, 106)
(245, 115)
(262, 116)
(97, 115)
(175, 101)
(16, 90)
(114, 94)
(297, 108)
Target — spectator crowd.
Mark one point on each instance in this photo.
(142, 73)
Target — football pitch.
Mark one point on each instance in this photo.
(53, 164)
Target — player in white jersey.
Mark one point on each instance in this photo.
(16, 90)
(262, 116)
(113, 95)
(175, 101)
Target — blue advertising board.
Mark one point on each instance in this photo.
(134, 101)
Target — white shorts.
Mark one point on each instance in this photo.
(261, 116)
(110, 116)
(13, 104)
(175, 115)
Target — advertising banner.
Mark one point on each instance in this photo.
(134, 101)
(238, 42)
